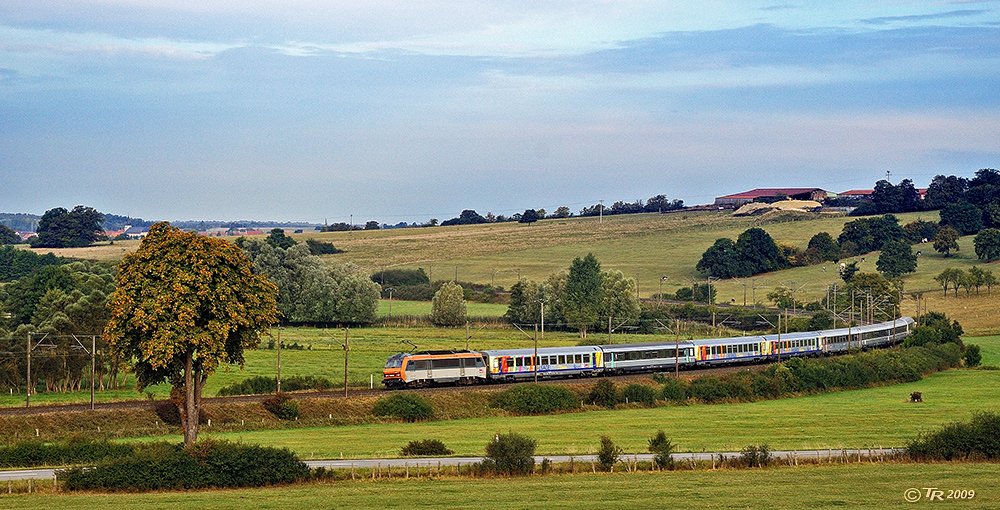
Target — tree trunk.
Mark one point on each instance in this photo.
(189, 416)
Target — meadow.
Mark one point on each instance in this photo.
(873, 417)
(851, 486)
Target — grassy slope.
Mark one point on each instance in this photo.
(648, 246)
(847, 486)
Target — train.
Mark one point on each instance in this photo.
(428, 368)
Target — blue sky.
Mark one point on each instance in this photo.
(314, 110)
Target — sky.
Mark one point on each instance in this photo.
(403, 110)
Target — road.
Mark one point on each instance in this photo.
(47, 474)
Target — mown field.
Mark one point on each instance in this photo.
(860, 418)
(846, 486)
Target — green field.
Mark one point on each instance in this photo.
(844, 486)
(861, 418)
(424, 308)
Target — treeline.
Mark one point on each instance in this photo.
(54, 304)
(16, 263)
(309, 290)
(982, 191)
(658, 203)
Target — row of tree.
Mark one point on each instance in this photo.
(974, 278)
(582, 298)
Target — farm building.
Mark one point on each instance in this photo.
(772, 195)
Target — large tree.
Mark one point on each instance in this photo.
(583, 293)
(60, 228)
(759, 252)
(896, 259)
(185, 304)
(310, 290)
(448, 306)
(964, 217)
(722, 260)
(987, 243)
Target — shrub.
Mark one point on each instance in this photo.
(977, 439)
(427, 447)
(662, 449)
(260, 385)
(207, 463)
(75, 450)
(674, 390)
(510, 454)
(639, 393)
(404, 406)
(972, 356)
(604, 394)
(282, 406)
(608, 454)
(536, 399)
(754, 456)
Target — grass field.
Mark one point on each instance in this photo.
(861, 418)
(424, 308)
(846, 486)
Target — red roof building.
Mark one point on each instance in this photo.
(772, 195)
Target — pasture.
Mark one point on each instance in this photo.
(850, 486)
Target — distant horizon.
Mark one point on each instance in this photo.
(421, 222)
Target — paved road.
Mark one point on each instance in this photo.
(38, 474)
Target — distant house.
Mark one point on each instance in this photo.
(772, 195)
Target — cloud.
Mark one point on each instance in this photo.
(916, 18)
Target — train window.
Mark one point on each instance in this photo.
(480, 363)
(562, 359)
(423, 364)
(579, 358)
(410, 365)
(609, 356)
(586, 358)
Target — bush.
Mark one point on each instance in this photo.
(536, 399)
(604, 394)
(662, 449)
(282, 407)
(978, 439)
(972, 356)
(260, 385)
(208, 463)
(674, 390)
(608, 454)
(510, 454)
(404, 406)
(754, 456)
(76, 450)
(427, 447)
(639, 393)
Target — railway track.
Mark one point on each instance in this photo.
(330, 394)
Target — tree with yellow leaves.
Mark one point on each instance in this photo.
(185, 304)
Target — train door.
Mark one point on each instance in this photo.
(461, 367)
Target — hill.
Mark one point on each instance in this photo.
(660, 250)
